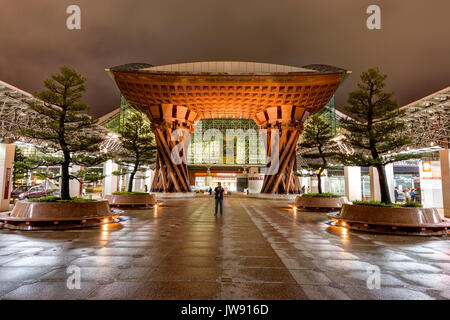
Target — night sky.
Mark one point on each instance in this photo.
(413, 46)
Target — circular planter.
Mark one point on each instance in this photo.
(174, 195)
(58, 215)
(319, 203)
(407, 221)
(131, 199)
(273, 196)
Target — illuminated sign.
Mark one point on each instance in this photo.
(7, 183)
(426, 166)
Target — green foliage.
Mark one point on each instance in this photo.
(376, 129)
(129, 193)
(411, 204)
(45, 199)
(377, 124)
(63, 125)
(375, 203)
(392, 205)
(123, 171)
(321, 195)
(89, 175)
(21, 165)
(139, 143)
(58, 199)
(317, 135)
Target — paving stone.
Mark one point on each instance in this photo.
(258, 249)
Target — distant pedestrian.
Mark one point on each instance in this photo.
(412, 195)
(303, 189)
(210, 191)
(396, 194)
(218, 195)
(408, 195)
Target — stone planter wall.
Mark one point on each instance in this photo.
(58, 215)
(391, 220)
(272, 196)
(422, 217)
(174, 195)
(131, 199)
(319, 202)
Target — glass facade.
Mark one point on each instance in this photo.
(329, 115)
(126, 110)
(215, 141)
(226, 141)
(336, 181)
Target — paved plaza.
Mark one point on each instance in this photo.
(259, 249)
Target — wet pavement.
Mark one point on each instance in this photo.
(259, 249)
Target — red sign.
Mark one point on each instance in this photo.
(7, 183)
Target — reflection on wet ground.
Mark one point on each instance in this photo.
(259, 249)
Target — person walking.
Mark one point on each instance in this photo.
(396, 195)
(218, 195)
(408, 195)
(412, 195)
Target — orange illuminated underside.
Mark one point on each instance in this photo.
(228, 96)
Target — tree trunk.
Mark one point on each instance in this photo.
(384, 188)
(130, 183)
(65, 181)
(319, 182)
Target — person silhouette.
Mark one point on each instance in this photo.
(218, 197)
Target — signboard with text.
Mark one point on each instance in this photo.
(7, 183)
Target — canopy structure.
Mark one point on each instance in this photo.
(15, 114)
(428, 120)
(278, 98)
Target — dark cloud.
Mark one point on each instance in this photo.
(412, 47)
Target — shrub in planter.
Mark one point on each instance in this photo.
(131, 198)
(391, 205)
(121, 193)
(321, 195)
(412, 205)
(58, 199)
(322, 201)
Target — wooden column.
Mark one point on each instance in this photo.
(171, 173)
(287, 123)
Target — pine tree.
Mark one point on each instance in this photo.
(22, 165)
(70, 134)
(138, 143)
(317, 135)
(376, 128)
(89, 175)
